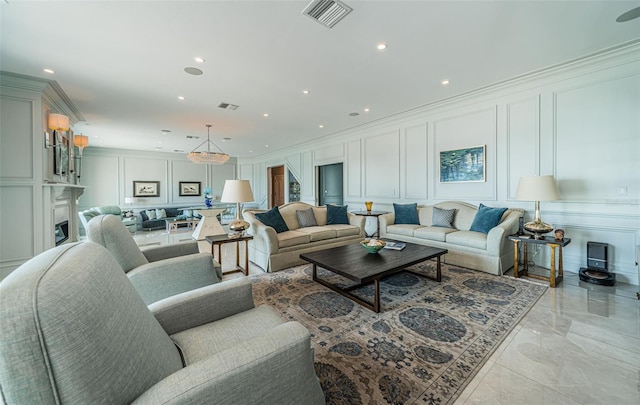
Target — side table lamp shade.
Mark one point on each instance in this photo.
(237, 191)
(537, 188)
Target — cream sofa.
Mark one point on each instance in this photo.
(491, 252)
(277, 251)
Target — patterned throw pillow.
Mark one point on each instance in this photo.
(406, 214)
(274, 219)
(160, 213)
(337, 214)
(187, 213)
(443, 218)
(306, 218)
(486, 218)
(151, 214)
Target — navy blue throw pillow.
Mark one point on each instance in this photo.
(273, 219)
(406, 214)
(337, 214)
(486, 218)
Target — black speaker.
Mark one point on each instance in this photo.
(597, 256)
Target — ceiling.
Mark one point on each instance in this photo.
(122, 62)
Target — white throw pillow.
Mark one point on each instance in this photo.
(151, 214)
(161, 213)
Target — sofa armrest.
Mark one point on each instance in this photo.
(357, 220)
(498, 234)
(265, 238)
(203, 305)
(155, 253)
(384, 221)
(157, 280)
(283, 353)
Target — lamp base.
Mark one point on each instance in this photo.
(538, 228)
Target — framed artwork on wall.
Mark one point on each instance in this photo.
(146, 188)
(462, 165)
(189, 188)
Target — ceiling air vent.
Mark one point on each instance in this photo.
(327, 12)
(228, 106)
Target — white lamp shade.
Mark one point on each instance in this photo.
(237, 191)
(58, 122)
(537, 188)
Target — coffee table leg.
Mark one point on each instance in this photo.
(315, 274)
(438, 271)
(376, 297)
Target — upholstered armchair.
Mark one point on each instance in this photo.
(156, 272)
(74, 330)
(86, 216)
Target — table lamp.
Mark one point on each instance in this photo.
(537, 188)
(237, 191)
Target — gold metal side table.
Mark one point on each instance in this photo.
(547, 241)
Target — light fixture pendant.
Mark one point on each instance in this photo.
(207, 156)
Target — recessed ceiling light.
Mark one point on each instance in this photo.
(178, 150)
(306, 91)
(354, 114)
(265, 115)
(198, 59)
(320, 126)
(226, 139)
(193, 71)
(445, 82)
(180, 97)
(250, 151)
(381, 46)
(165, 131)
(158, 148)
(366, 109)
(266, 146)
(50, 71)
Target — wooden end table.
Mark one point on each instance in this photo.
(546, 241)
(375, 214)
(219, 240)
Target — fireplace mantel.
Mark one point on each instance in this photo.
(60, 203)
(63, 191)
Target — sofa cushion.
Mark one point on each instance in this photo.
(337, 214)
(442, 217)
(345, 230)
(187, 213)
(402, 229)
(144, 215)
(406, 213)
(292, 238)
(468, 238)
(486, 218)
(319, 232)
(433, 233)
(151, 214)
(306, 218)
(160, 213)
(273, 219)
(109, 209)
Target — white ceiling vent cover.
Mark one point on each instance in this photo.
(327, 12)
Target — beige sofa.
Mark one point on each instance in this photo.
(491, 252)
(277, 251)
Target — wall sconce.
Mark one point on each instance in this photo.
(81, 141)
(58, 122)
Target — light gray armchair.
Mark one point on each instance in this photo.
(74, 330)
(157, 272)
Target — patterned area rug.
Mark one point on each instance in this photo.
(425, 345)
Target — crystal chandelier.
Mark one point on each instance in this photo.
(207, 156)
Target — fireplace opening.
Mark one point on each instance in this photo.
(61, 232)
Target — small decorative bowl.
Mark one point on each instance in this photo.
(373, 249)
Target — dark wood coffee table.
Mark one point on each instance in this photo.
(355, 263)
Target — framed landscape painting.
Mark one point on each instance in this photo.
(146, 188)
(189, 188)
(462, 165)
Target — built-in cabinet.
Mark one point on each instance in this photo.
(33, 198)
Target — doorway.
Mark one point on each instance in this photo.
(275, 186)
(330, 184)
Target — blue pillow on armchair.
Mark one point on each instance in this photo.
(406, 214)
(274, 219)
(486, 218)
(337, 214)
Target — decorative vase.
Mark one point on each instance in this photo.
(207, 202)
(368, 205)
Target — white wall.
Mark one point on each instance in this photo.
(579, 122)
(109, 175)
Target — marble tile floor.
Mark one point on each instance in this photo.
(579, 344)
